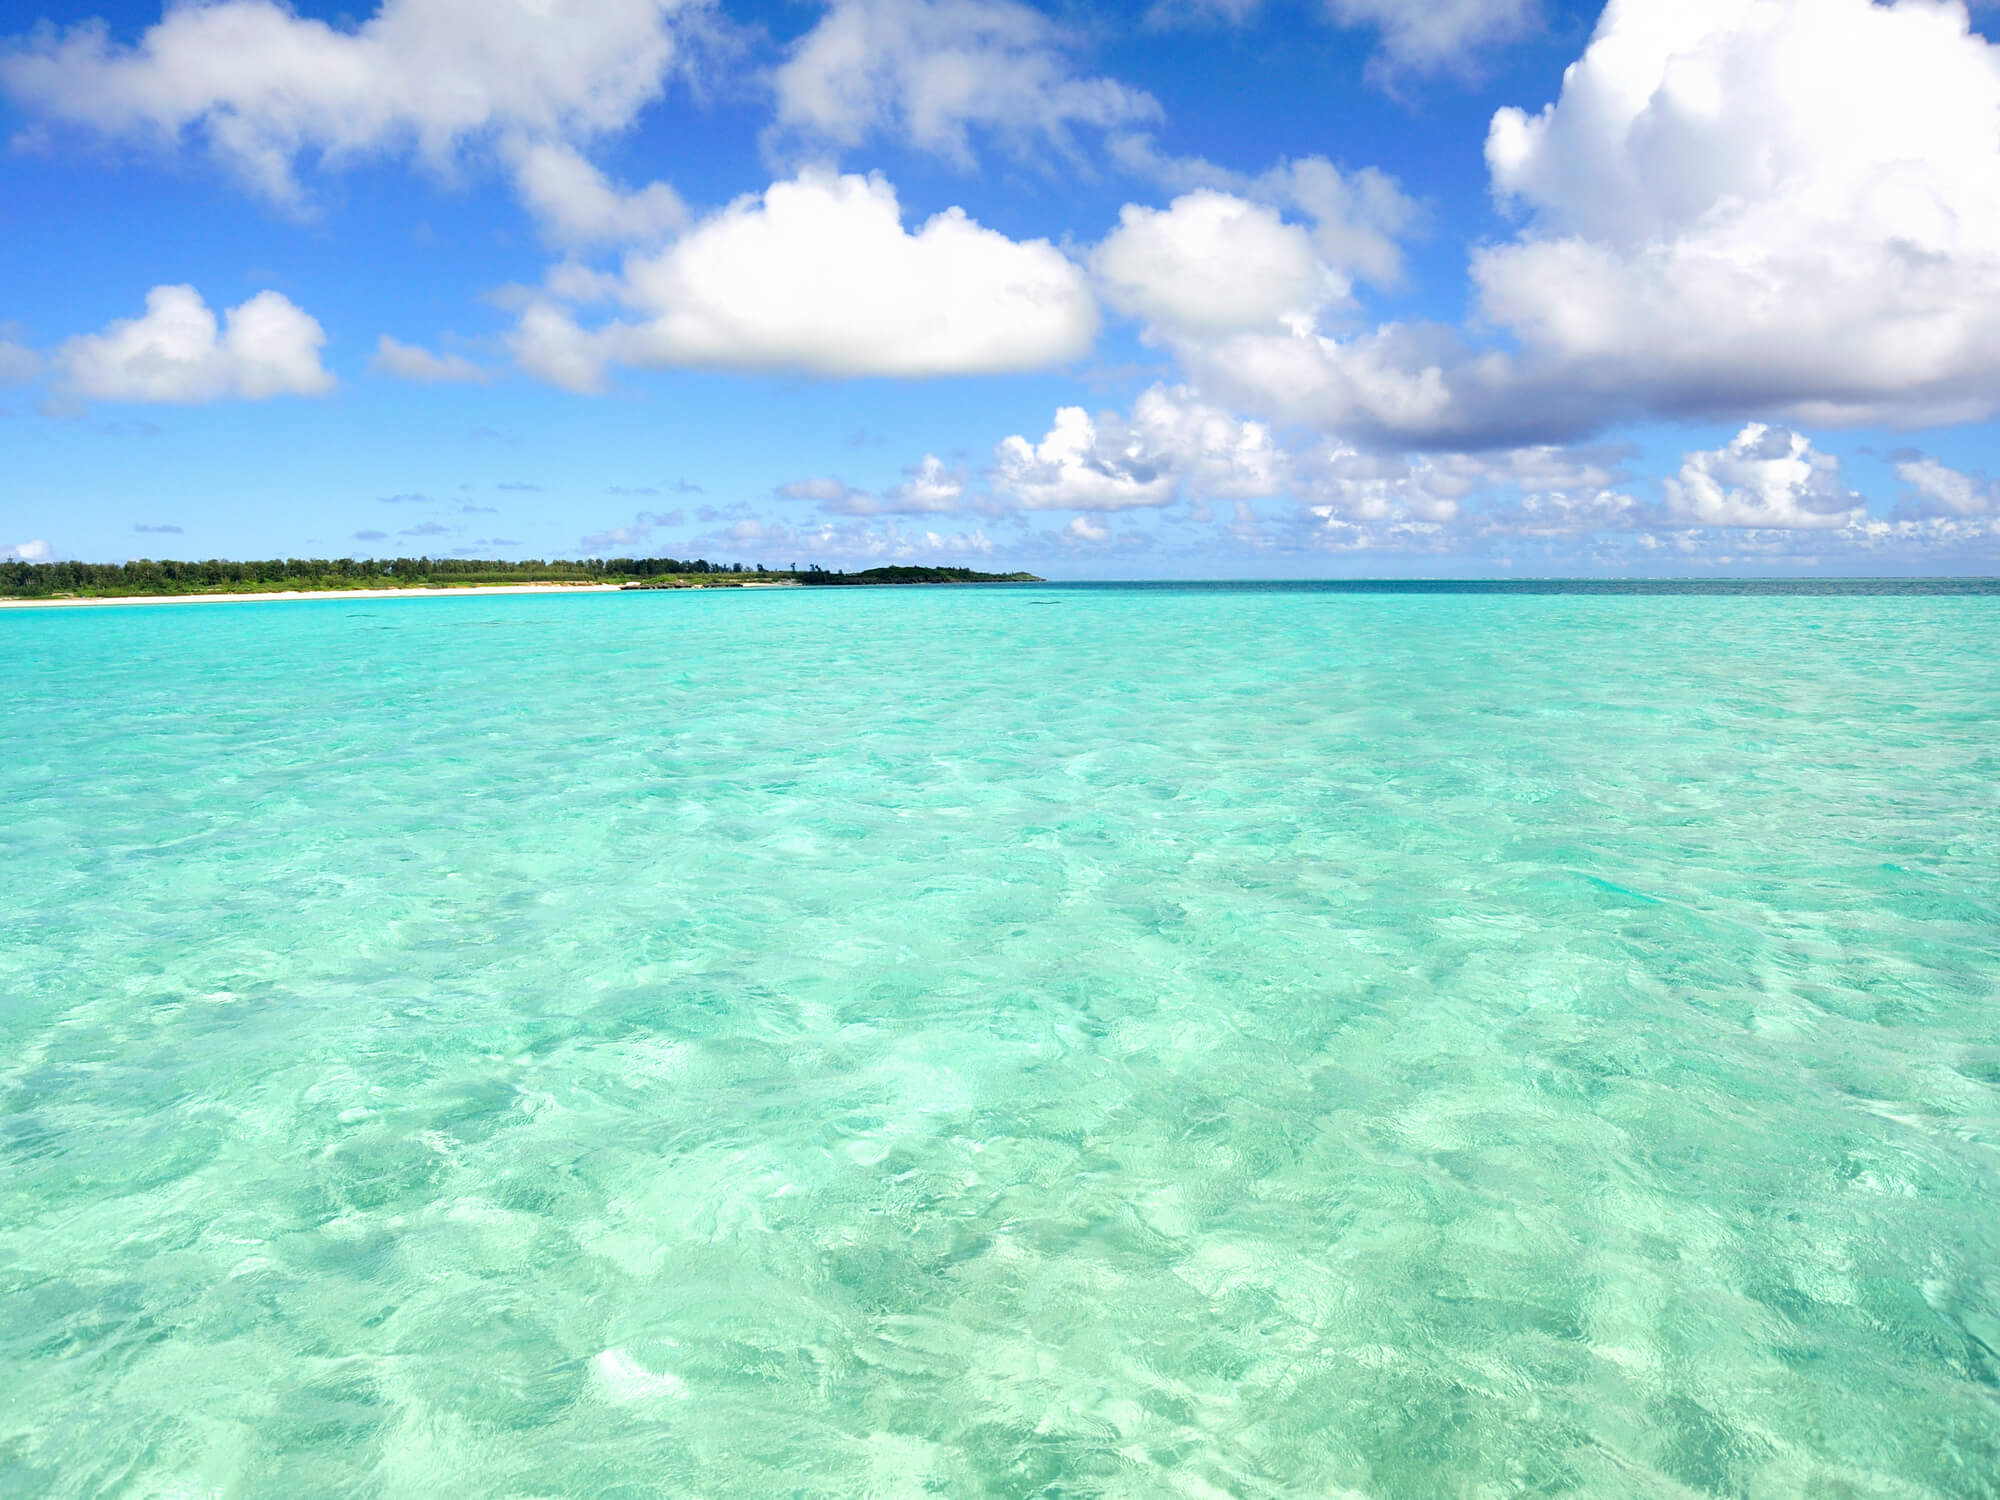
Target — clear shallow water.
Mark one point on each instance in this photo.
(1068, 1042)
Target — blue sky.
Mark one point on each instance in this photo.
(1214, 288)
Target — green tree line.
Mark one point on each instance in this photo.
(819, 576)
(25, 580)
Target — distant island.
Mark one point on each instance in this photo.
(817, 577)
(146, 578)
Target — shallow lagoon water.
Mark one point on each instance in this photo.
(1002, 1042)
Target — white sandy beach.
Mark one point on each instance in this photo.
(494, 588)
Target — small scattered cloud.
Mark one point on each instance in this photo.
(929, 73)
(637, 534)
(36, 551)
(619, 489)
(1440, 36)
(1085, 529)
(928, 488)
(578, 205)
(413, 498)
(371, 536)
(18, 363)
(1169, 13)
(520, 488)
(409, 362)
(426, 528)
(1415, 36)
(61, 406)
(479, 510)
(824, 490)
(1933, 489)
(161, 530)
(844, 542)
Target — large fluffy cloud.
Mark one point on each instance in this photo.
(264, 87)
(1241, 293)
(177, 352)
(818, 274)
(928, 72)
(1787, 203)
(1779, 206)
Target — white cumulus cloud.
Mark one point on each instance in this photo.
(1211, 263)
(1359, 219)
(1787, 203)
(1547, 487)
(928, 489)
(29, 552)
(927, 72)
(818, 274)
(1172, 443)
(1783, 206)
(177, 352)
(1084, 529)
(409, 362)
(1077, 466)
(263, 87)
(1765, 477)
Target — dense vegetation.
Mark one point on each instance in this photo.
(24, 580)
(816, 575)
(21, 580)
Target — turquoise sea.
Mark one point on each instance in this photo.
(1043, 1041)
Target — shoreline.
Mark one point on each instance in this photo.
(294, 594)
